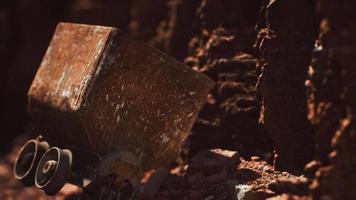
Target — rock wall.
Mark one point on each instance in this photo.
(223, 49)
(336, 180)
(285, 42)
(326, 93)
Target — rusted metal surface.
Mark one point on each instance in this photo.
(98, 91)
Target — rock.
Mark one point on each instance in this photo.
(284, 60)
(242, 191)
(217, 177)
(222, 48)
(267, 169)
(196, 181)
(209, 198)
(337, 179)
(213, 161)
(289, 197)
(153, 183)
(255, 158)
(292, 185)
(246, 192)
(311, 168)
(172, 33)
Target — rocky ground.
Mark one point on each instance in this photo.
(211, 174)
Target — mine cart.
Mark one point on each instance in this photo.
(108, 109)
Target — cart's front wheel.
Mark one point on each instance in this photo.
(53, 170)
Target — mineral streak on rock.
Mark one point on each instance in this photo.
(337, 180)
(285, 42)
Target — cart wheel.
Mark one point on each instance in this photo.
(53, 170)
(27, 160)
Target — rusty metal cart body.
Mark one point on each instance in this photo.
(119, 107)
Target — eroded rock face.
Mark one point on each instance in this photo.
(164, 24)
(326, 93)
(335, 181)
(145, 17)
(223, 50)
(174, 32)
(285, 42)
